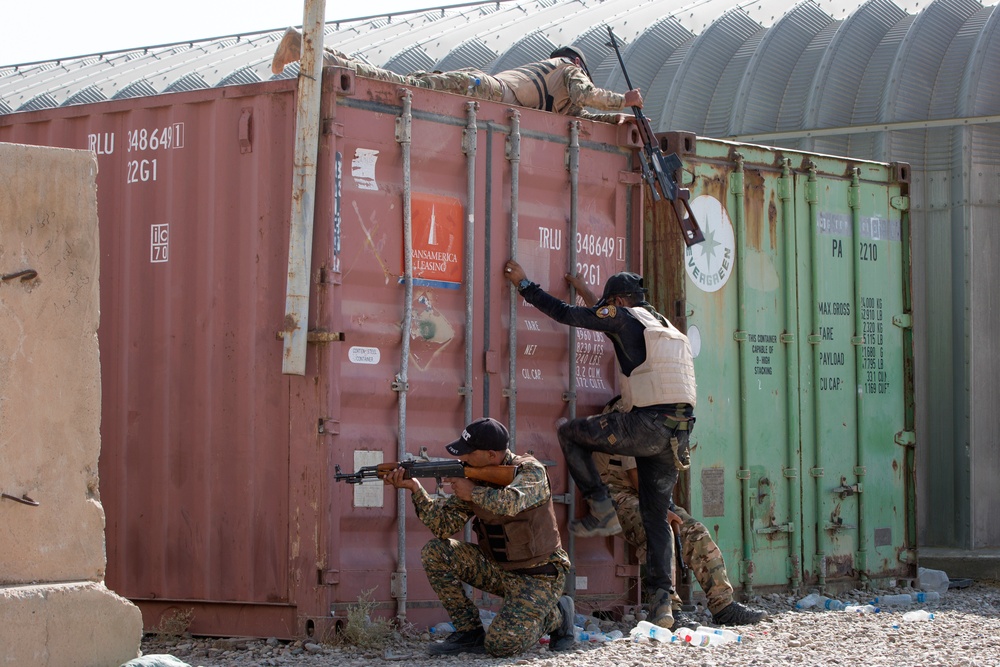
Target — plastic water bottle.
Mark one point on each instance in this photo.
(727, 634)
(901, 600)
(473, 84)
(923, 597)
(862, 608)
(808, 601)
(829, 603)
(442, 628)
(697, 638)
(647, 629)
(918, 615)
(614, 634)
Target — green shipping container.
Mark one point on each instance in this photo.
(797, 305)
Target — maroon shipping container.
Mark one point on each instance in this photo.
(217, 471)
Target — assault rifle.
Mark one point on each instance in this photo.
(658, 169)
(496, 475)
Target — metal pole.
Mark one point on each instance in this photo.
(573, 159)
(307, 121)
(469, 143)
(514, 156)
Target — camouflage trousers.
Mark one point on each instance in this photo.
(529, 608)
(700, 551)
(468, 81)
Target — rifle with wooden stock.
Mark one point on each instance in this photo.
(438, 470)
(658, 170)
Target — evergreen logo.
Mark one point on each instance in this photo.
(710, 263)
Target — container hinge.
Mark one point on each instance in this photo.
(740, 336)
(331, 126)
(790, 473)
(629, 177)
(329, 577)
(743, 473)
(784, 189)
(906, 438)
(816, 472)
(400, 386)
(812, 194)
(814, 339)
(397, 586)
(316, 336)
(569, 396)
(736, 183)
(779, 528)
(328, 425)
(854, 196)
(626, 571)
(860, 471)
(787, 338)
(562, 498)
(900, 202)
(857, 340)
(746, 571)
(246, 130)
(464, 391)
(904, 321)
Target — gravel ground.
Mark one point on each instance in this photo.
(965, 632)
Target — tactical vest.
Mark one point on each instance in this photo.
(522, 541)
(540, 85)
(667, 374)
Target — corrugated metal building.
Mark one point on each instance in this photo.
(882, 80)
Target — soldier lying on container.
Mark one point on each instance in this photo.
(561, 84)
(656, 376)
(519, 555)
(701, 553)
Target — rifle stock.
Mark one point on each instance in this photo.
(657, 169)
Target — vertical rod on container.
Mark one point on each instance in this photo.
(736, 189)
(791, 471)
(469, 144)
(300, 241)
(404, 124)
(812, 198)
(514, 156)
(858, 341)
(573, 163)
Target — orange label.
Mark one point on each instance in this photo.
(437, 241)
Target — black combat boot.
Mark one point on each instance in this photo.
(468, 641)
(562, 638)
(738, 614)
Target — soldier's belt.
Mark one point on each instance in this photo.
(547, 569)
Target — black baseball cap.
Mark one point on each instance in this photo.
(622, 283)
(486, 433)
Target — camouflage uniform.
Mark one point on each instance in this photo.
(700, 551)
(553, 85)
(529, 608)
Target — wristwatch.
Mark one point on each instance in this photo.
(523, 285)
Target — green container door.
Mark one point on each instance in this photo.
(797, 307)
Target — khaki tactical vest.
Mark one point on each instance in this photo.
(522, 541)
(667, 374)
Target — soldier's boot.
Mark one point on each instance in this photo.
(661, 610)
(562, 638)
(289, 50)
(468, 641)
(602, 520)
(738, 614)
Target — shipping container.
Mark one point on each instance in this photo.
(798, 310)
(217, 470)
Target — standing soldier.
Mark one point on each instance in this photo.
(519, 556)
(656, 376)
(561, 83)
